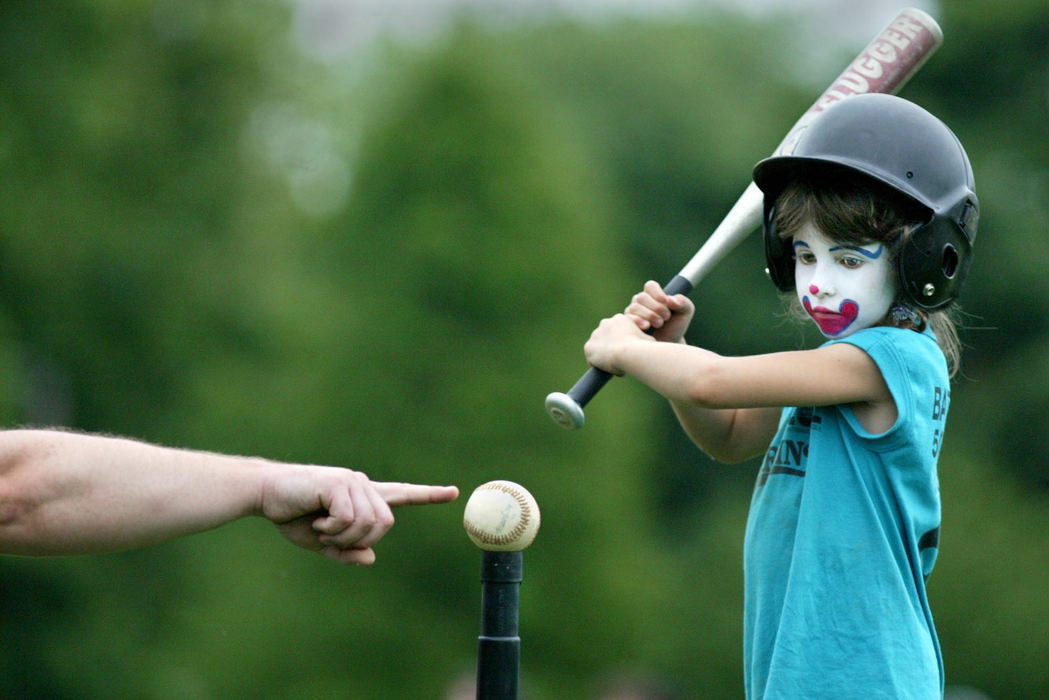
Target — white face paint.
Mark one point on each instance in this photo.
(843, 287)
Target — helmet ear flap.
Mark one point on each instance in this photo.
(932, 264)
(778, 253)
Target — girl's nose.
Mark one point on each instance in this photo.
(824, 290)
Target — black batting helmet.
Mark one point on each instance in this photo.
(904, 147)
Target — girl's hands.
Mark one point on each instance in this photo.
(667, 317)
(652, 315)
(608, 340)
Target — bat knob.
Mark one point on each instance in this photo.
(564, 410)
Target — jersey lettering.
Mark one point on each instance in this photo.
(941, 400)
(789, 455)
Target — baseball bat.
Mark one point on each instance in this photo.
(885, 65)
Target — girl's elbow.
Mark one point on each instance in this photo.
(727, 453)
(735, 456)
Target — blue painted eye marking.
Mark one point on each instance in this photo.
(862, 251)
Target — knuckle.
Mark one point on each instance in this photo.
(385, 522)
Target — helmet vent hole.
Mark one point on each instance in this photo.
(910, 175)
(949, 262)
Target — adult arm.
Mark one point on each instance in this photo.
(70, 493)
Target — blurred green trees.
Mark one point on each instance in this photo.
(208, 240)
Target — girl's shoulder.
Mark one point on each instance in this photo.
(908, 350)
(890, 334)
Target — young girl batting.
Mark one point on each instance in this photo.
(870, 221)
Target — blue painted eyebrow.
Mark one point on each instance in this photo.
(862, 251)
(798, 244)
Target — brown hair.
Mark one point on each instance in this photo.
(854, 210)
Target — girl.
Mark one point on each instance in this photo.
(870, 221)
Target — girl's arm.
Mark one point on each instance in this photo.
(730, 406)
(728, 435)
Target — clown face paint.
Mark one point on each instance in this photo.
(843, 287)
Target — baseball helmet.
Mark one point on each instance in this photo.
(898, 144)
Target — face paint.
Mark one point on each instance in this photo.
(843, 287)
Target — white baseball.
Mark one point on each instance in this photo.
(501, 516)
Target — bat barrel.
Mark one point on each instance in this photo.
(499, 645)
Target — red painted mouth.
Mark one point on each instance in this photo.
(832, 322)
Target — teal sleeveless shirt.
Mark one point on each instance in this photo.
(842, 534)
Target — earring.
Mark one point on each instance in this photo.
(903, 313)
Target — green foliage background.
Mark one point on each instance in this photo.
(210, 239)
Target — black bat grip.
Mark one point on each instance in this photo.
(567, 409)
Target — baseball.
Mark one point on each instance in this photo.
(501, 516)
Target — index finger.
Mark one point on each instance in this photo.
(655, 290)
(675, 302)
(401, 494)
